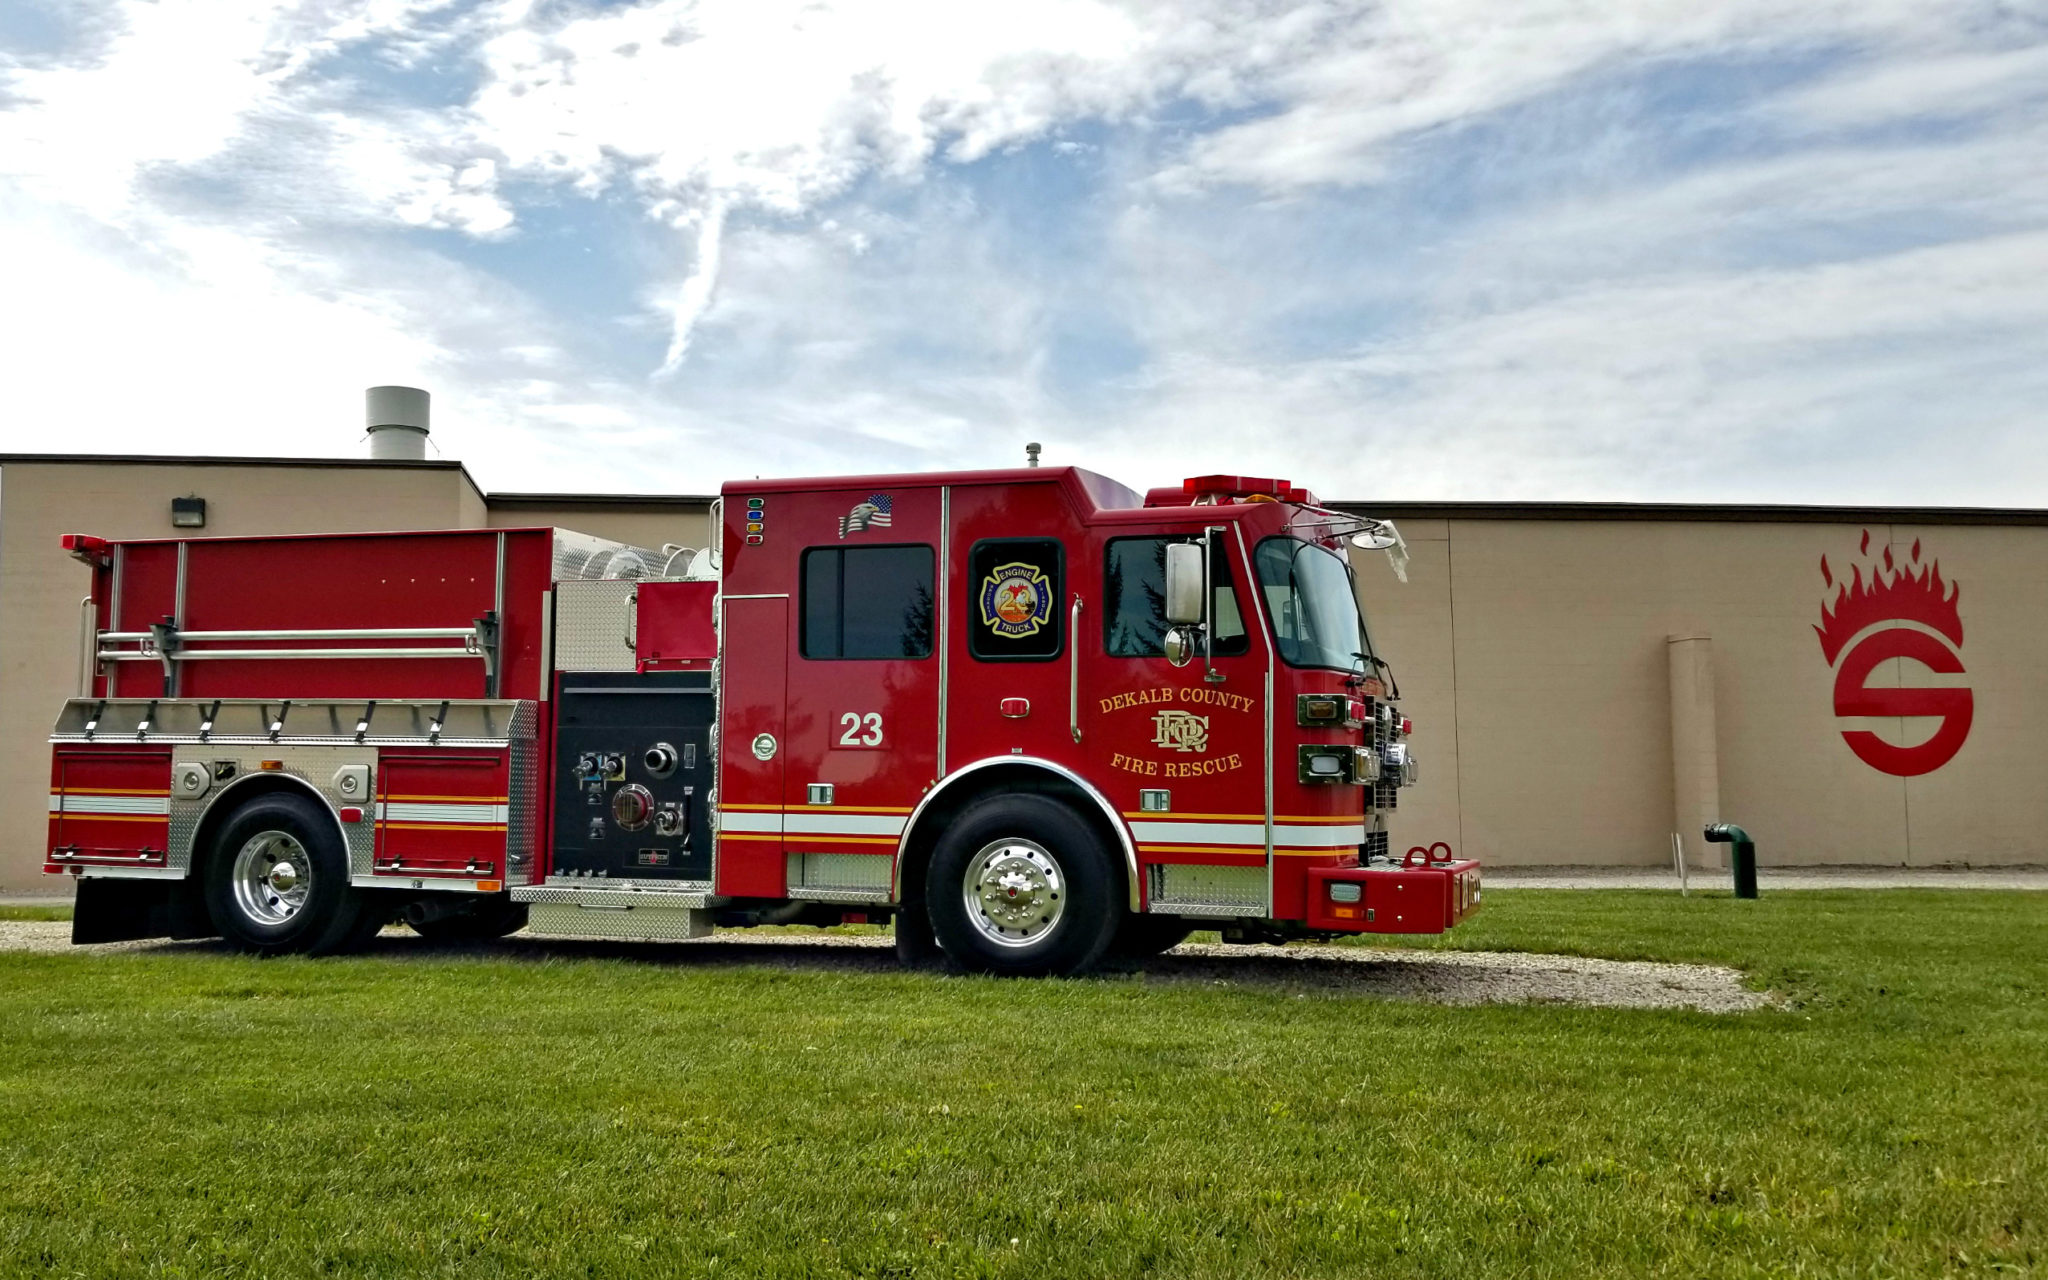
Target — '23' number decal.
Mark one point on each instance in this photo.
(858, 730)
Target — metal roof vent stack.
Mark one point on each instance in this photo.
(397, 419)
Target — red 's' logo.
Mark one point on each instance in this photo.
(1900, 611)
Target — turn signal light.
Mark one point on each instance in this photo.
(1315, 709)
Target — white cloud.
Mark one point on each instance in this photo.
(1397, 69)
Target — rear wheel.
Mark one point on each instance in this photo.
(1020, 884)
(1142, 937)
(276, 879)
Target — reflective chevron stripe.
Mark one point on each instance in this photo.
(481, 814)
(81, 803)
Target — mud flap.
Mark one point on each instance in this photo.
(129, 910)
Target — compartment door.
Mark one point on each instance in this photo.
(442, 813)
(752, 747)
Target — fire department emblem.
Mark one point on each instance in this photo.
(1180, 731)
(1015, 600)
(1902, 610)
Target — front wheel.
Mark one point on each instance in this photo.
(1021, 885)
(276, 879)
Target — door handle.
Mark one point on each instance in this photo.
(1074, 668)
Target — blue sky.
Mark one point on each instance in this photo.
(1742, 251)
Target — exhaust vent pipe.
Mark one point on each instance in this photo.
(397, 419)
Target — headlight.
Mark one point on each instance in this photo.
(1338, 763)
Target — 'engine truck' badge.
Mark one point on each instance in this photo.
(1015, 601)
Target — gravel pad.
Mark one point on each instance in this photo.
(1441, 977)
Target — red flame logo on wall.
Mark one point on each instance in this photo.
(1899, 611)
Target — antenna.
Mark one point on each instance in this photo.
(1031, 454)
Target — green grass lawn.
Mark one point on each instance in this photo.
(194, 1113)
(53, 911)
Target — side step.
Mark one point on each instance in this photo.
(622, 912)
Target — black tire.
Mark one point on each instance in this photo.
(1142, 937)
(317, 914)
(1054, 859)
(490, 918)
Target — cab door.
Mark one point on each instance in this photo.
(1181, 751)
(862, 718)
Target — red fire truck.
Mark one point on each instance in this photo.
(1031, 716)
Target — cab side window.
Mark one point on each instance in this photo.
(1015, 609)
(1134, 600)
(867, 602)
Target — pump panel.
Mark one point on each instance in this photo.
(633, 775)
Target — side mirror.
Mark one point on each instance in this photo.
(1183, 582)
(1179, 644)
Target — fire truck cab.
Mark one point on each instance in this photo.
(1032, 716)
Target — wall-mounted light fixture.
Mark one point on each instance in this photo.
(188, 513)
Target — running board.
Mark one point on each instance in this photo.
(640, 915)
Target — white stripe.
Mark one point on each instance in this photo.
(1200, 832)
(1285, 834)
(1288, 835)
(417, 812)
(61, 803)
(771, 822)
(843, 824)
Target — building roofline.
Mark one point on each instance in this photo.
(1695, 512)
(224, 460)
(1407, 509)
(600, 500)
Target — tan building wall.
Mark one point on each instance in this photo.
(1534, 654)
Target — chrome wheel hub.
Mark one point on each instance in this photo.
(1015, 892)
(272, 878)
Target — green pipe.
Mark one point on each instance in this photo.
(1741, 855)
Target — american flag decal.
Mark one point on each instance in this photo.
(872, 514)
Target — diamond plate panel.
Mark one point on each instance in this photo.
(636, 923)
(670, 893)
(594, 626)
(840, 877)
(315, 766)
(522, 796)
(1179, 889)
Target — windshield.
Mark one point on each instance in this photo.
(1316, 621)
